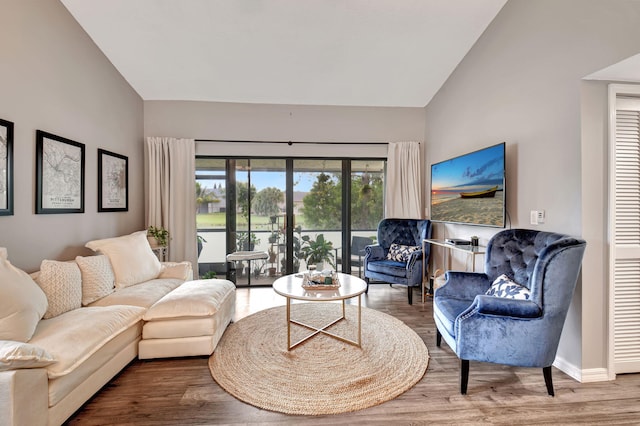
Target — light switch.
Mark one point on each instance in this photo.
(537, 217)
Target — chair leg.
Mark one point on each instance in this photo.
(464, 375)
(546, 371)
(438, 338)
(366, 280)
(410, 294)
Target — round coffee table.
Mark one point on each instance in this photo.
(290, 286)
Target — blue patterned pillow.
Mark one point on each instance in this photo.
(401, 253)
(504, 286)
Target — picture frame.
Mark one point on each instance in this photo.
(113, 182)
(6, 168)
(59, 174)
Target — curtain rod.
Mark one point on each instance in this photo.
(294, 142)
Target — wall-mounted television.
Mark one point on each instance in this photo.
(470, 189)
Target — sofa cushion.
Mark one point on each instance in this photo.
(400, 252)
(62, 284)
(75, 335)
(144, 294)
(448, 309)
(503, 286)
(131, 258)
(198, 298)
(98, 280)
(388, 267)
(15, 355)
(22, 302)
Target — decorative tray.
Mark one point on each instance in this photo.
(317, 281)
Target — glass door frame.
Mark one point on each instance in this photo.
(231, 204)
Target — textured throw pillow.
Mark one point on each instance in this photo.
(62, 283)
(504, 286)
(15, 355)
(22, 302)
(98, 280)
(401, 253)
(179, 270)
(131, 258)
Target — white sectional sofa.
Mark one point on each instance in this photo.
(69, 328)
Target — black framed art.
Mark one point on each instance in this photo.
(59, 174)
(113, 182)
(6, 168)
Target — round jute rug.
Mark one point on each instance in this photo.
(322, 375)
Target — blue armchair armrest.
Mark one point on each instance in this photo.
(500, 306)
(414, 257)
(374, 252)
(464, 285)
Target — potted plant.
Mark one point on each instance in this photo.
(297, 253)
(246, 241)
(272, 255)
(257, 270)
(318, 251)
(158, 236)
(273, 238)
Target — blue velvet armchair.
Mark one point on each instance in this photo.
(406, 267)
(514, 320)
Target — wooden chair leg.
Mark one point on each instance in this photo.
(410, 294)
(464, 375)
(438, 338)
(366, 280)
(546, 371)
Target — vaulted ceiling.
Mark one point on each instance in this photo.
(302, 52)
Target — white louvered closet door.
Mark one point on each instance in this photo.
(625, 227)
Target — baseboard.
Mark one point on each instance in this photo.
(568, 368)
(583, 376)
(595, 375)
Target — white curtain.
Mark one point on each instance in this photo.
(403, 197)
(170, 190)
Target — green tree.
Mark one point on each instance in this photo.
(322, 206)
(266, 201)
(242, 189)
(366, 200)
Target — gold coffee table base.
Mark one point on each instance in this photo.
(323, 330)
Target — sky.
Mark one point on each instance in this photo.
(480, 167)
(303, 181)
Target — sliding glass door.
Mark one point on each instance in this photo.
(299, 212)
(211, 216)
(367, 209)
(318, 203)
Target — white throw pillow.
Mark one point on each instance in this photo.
(15, 355)
(131, 258)
(503, 286)
(98, 280)
(22, 302)
(62, 283)
(180, 270)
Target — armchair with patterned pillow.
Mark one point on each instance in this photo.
(514, 312)
(397, 257)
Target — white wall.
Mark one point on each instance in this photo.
(54, 78)
(595, 159)
(250, 122)
(521, 83)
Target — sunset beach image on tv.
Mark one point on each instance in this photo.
(469, 189)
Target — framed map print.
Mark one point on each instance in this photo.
(59, 174)
(113, 182)
(6, 168)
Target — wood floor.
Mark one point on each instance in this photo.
(182, 392)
